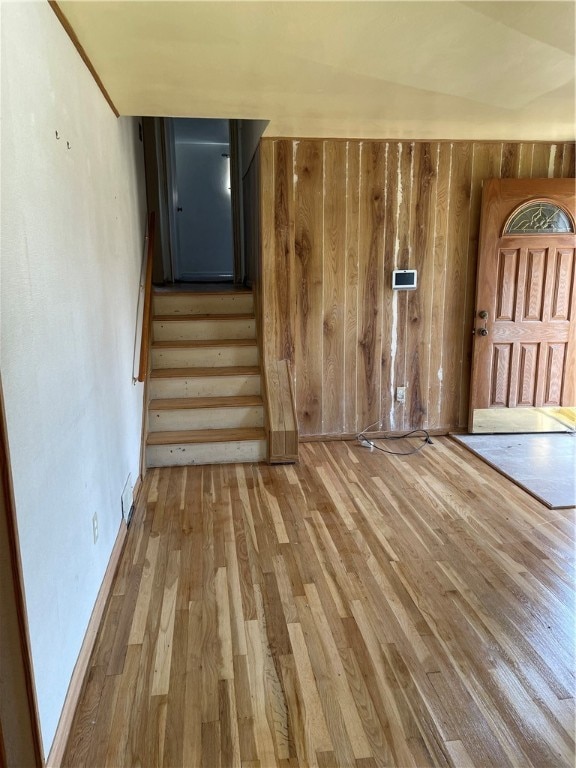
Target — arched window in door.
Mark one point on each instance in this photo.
(539, 217)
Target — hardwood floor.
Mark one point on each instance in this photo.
(357, 609)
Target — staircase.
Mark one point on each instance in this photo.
(205, 388)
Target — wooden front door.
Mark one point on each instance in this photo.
(524, 330)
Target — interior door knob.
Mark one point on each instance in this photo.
(483, 314)
(482, 331)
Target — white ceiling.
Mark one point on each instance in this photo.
(423, 70)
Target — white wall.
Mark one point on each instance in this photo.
(72, 226)
(250, 134)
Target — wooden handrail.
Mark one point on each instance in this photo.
(147, 314)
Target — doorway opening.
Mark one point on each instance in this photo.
(199, 179)
(524, 349)
(200, 187)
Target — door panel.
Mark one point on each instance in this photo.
(534, 284)
(201, 207)
(506, 288)
(524, 342)
(527, 374)
(204, 213)
(563, 284)
(501, 367)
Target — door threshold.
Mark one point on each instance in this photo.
(201, 288)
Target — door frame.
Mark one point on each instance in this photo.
(169, 161)
(519, 192)
(236, 197)
(237, 202)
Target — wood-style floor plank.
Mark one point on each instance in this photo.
(356, 609)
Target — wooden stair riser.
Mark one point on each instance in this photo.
(183, 330)
(203, 304)
(206, 418)
(204, 355)
(204, 386)
(191, 357)
(177, 455)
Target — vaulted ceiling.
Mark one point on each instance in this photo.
(445, 70)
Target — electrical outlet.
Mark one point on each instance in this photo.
(401, 394)
(95, 526)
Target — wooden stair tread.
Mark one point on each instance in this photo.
(187, 318)
(205, 436)
(194, 343)
(177, 403)
(223, 370)
(169, 291)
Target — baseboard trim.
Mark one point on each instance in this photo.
(435, 432)
(81, 667)
(136, 491)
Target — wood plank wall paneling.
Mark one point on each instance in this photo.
(334, 287)
(371, 249)
(350, 384)
(261, 285)
(284, 240)
(337, 217)
(309, 277)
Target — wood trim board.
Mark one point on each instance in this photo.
(83, 55)
(80, 669)
(282, 424)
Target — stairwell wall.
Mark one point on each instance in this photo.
(72, 236)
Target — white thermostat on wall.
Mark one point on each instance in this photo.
(404, 279)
